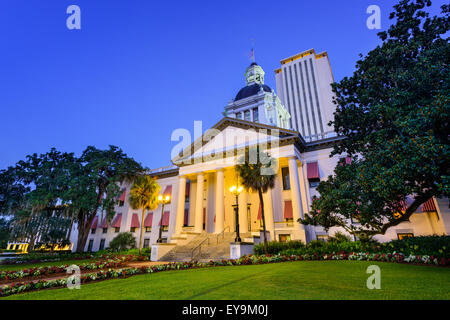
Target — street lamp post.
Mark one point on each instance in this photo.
(236, 190)
(163, 200)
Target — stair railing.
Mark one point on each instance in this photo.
(199, 248)
(222, 234)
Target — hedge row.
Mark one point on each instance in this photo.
(437, 246)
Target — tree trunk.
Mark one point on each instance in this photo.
(83, 231)
(82, 238)
(142, 230)
(263, 218)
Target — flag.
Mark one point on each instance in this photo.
(252, 55)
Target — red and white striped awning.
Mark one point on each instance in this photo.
(135, 221)
(117, 221)
(168, 191)
(312, 170)
(148, 220)
(165, 219)
(288, 209)
(429, 206)
(94, 223)
(104, 223)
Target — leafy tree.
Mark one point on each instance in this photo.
(254, 179)
(60, 184)
(144, 196)
(4, 232)
(394, 113)
(123, 241)
(11, 191)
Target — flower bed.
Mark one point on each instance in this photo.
(116, 262)
(245, 260)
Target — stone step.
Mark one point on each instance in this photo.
(216, 249)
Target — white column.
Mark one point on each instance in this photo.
(198, 222)
(180, 204)
(295, 193)
(268, 213)
(243, 222)
(303, 190)
(220, 213)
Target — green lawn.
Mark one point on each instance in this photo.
(289, 280)
(43, 264)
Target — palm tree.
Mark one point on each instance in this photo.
(254, 179)
(144, 195)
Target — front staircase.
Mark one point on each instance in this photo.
(203, 248)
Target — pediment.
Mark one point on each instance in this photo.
(230, 136)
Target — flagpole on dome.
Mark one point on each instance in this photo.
(252, 52)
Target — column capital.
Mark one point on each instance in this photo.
(220, 169)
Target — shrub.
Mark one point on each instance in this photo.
(274, 247)
(339, 237)
(429, 245)
(436, 246)
(123, 241)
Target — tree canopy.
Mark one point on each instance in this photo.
(257, 176)
(144, 196)
(394, 112)
(61, 184)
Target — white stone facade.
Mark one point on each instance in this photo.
(203, 173)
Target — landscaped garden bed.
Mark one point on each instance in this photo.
(45, 272)
(246, 260)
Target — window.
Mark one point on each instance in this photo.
(120, 203)
(238, 115)
(102, 244)
(148, 229)
(284, 237)
(312, 170)
(133, 229)
(314, 183)
(93, 231)
(105, 230)
(146, 243)
(90, 245)
(165, 228)
(116, 230)
(255, 115)
(285, 178)
(404, 235)
(247, 115)
(323, 238)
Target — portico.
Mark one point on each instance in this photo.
(211, 203)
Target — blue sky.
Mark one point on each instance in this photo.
(139, 69)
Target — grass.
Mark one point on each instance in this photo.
(22, 266)
(289, 280)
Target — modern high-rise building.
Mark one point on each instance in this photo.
(304, 87)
